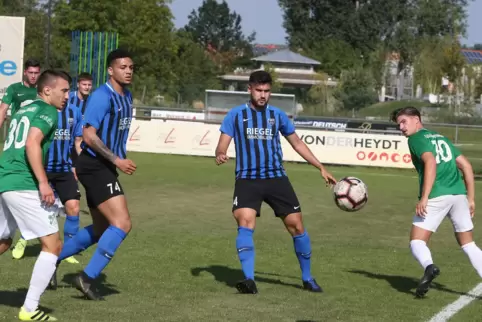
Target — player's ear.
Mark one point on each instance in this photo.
(110, 70)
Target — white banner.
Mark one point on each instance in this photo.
(11, 51)
(196, 138)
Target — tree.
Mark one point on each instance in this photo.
(277, 85)
(195, 71)
(145, 28)
(219, 30)
(356, 89)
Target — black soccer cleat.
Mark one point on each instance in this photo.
(247, 286)
(53, 281)
(85, 284)
(312, 286)
(431, 272)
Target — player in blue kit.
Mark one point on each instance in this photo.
(106, 127)
(260, 176)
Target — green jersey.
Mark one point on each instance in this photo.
(18, 95)
(15, 171)
(448, 180)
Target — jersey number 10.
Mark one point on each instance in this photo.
(444, 153)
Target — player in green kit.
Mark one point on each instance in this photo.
(22, 93)
(26, 198)
(443, 192)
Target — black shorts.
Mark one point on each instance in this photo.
(65, 185)
(277, 193)
(99, 179)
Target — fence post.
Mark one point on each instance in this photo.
(456, 140)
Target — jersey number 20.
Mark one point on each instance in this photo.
(444, 154)
(17, 133)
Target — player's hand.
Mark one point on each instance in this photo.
(75, 174)
(125, 165)
(47, 194)
(221, 158)
(421, 209)
(472, 208)
(329, 179)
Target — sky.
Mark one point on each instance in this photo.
(266, 18)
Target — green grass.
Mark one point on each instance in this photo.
(179, 263)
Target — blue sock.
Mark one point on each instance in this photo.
(82, 240)
(303, 252)
(71, 227)
(245, 247)
(109, 242)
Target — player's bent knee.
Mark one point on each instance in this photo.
(124, 225)
(464, 238)
(72, 207)
(294, 223)
(245, 217)
(51, 244)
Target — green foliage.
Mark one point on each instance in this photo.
(356, 89)
(276, 86)
(217, 29)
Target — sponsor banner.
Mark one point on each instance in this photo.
(195, 138)
(11, 51)
(340, 125)
(177, 115)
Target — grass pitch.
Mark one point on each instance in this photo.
(179, 263)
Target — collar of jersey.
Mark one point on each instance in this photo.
(249, 107)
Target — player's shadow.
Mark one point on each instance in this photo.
(231, 276)
(104, 288)
(16, 299)
(406, 284)
(32, 250)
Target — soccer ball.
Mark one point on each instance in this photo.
(351, 194)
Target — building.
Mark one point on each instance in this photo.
(294, 71)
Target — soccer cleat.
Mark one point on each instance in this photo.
(431, 272)
(312, 286)
(84, 284)
(19, 250)
(37, 315)
(247, 286)
(71, 260)
(53, 281)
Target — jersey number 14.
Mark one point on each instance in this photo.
(17, 133)
(444, 153)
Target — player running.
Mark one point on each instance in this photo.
(106, 127)
(61, 156)
(442, 193)
(260, 176)
(26, 198)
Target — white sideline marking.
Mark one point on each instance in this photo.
(452, 309)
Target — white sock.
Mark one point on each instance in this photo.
(475, 256)
(421, 252)
(42, 273)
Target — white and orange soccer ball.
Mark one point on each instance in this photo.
(350, 194)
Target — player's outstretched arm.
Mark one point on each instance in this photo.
(93, 141)
(464, 165)
(222, 149)
(304, 151)
(33, 149)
